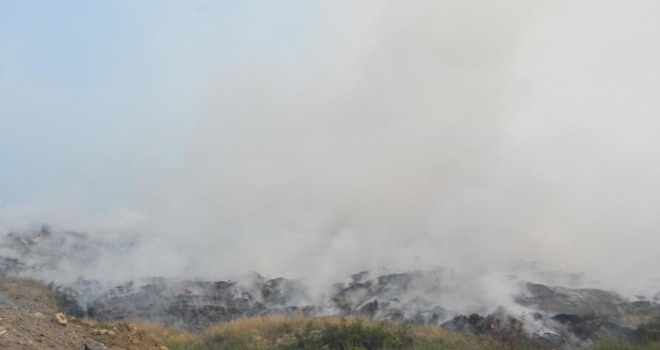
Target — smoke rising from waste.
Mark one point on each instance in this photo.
(420, 134)
(453, 134)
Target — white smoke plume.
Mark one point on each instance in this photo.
(417, 134)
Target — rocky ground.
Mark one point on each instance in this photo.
(25, 330)
(28, 322)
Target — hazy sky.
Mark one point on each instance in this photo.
(91, 91)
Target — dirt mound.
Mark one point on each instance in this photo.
(28, 322)
(23, 329)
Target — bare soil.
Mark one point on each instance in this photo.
(27, 322)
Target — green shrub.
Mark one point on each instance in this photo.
(335, 333)
(651, 330)
(359, 335)
(614, 344)
(352, 335)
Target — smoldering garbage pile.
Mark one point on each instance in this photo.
(553, 315)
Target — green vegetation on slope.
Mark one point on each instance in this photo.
(334, 333)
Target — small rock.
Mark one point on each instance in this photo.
(132, 328)
(3, 332)
(61, 318)
(88, 345)
(111, 333)
(38, 315)
(103, 331)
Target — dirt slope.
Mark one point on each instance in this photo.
(27, 322)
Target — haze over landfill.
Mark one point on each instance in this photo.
(321, 139)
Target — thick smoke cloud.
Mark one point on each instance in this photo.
(417, 134)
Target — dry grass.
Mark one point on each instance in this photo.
(164, 334)
(27, 293)
(438, 338)
(270, 332)
(271, 323)
(278, 332)
(283, 332)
